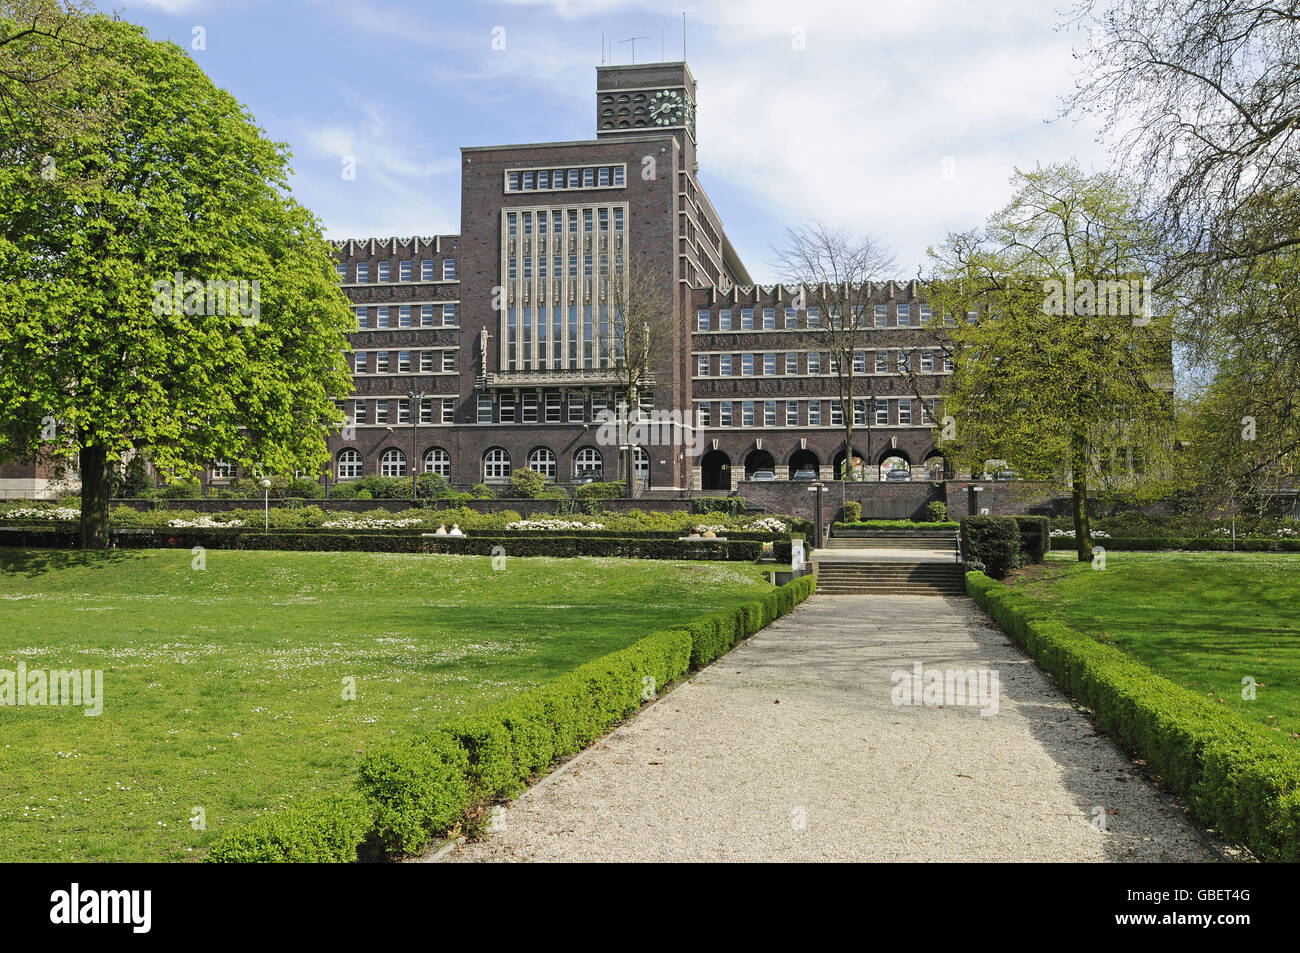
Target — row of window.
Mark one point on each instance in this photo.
(497, 464)
(405, 271)
(550, 407)
(795, 362)
(549, 180)
(892, 411)
(440, 410)
(767, 319)
(403, 362)
(405, 316)
(552, 221)
(557, 270)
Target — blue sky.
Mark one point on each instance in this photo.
(899, 119)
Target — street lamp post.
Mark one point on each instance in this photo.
(266, 504)
(818, 541)
(417, 401)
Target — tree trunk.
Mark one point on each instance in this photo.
(94, 497)
(633, 400)
(1079, 500)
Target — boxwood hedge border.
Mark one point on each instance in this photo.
(1232, 776)
(411, 792)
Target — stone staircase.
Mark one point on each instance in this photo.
(894, 577)
(892, 539)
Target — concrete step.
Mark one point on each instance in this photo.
(897, 542)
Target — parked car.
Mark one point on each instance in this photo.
(1006, 475)
(806, 473)
(898, 476)
(582, 477)
(763, 476)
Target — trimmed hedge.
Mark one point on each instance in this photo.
(418, 790)
(1246, 544)
(545, 544)
(1234, 777)
(1035, 536)
(994, 541)
(324, 830)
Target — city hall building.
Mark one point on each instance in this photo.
(481, 353)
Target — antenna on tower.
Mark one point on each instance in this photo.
(683, 36)
(602, 49)
(632, 40)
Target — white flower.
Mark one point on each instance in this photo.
(32, 513)
(367, 521)
(203, 522)
(553, 524)
(769, 523)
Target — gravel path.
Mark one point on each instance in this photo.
(789, 748)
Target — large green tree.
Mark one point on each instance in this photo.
(96, 226)
(1054, 372)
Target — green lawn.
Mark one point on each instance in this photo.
(223, 686)
(1203, 620)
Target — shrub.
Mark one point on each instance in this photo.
(598, 491)
(1235, 778)
(481, 491)
(322, 830)
(728, 505)
(304, 490)
(431, 486)
(417, 790)
(189, 489)
(936, 511)
(852, 511)
(994, 541)
(1035, 538)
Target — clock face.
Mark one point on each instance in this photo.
(668, 107)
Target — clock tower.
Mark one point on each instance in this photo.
(653, 97)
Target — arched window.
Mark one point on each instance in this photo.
(642, 465)
(589, 459)
(496, 464)
(349, 465)
(438, 460)
(542, 461)
(392, 463)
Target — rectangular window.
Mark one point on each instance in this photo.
(924, 314)
(403, 362)
(927, 361)
(704, 417)
(342, 269)
(426, 412)
(506, 408)
(747, 413)
(904, 362)
(769, 413)
(381, 411)
(905, 411)
(426, 362)
(724, 365)
(448, 361)
(882, 362)
(769, 364)
(837, 414)
(604, 177)
(403, 271)
(384, 275)
(701, 320)
(859, 362)
(814, 317)
(588, 178)
(618, 175)
(702, 365)
(449, 269)
(403, 411)
(859, 413)
(791, 318)
(577, 408)
(360, 361)
(904, 312)
(554, 409)
(814, 413)
(724, 319)
(512, 181)
(769, 319)
(404, 316)
(426, 315)
(792, 413)
(724, 414)
(882, 316)
(381, 362)
(746, 319)
(426, 269)
(972, 317)
(882, 413)
(792, 363)
(747, 365)
(360, 412)
(381, 317)
(528, 414)
(814, 362)
(484, 408)
(362, 318)
(363, 272)
(948, 364)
